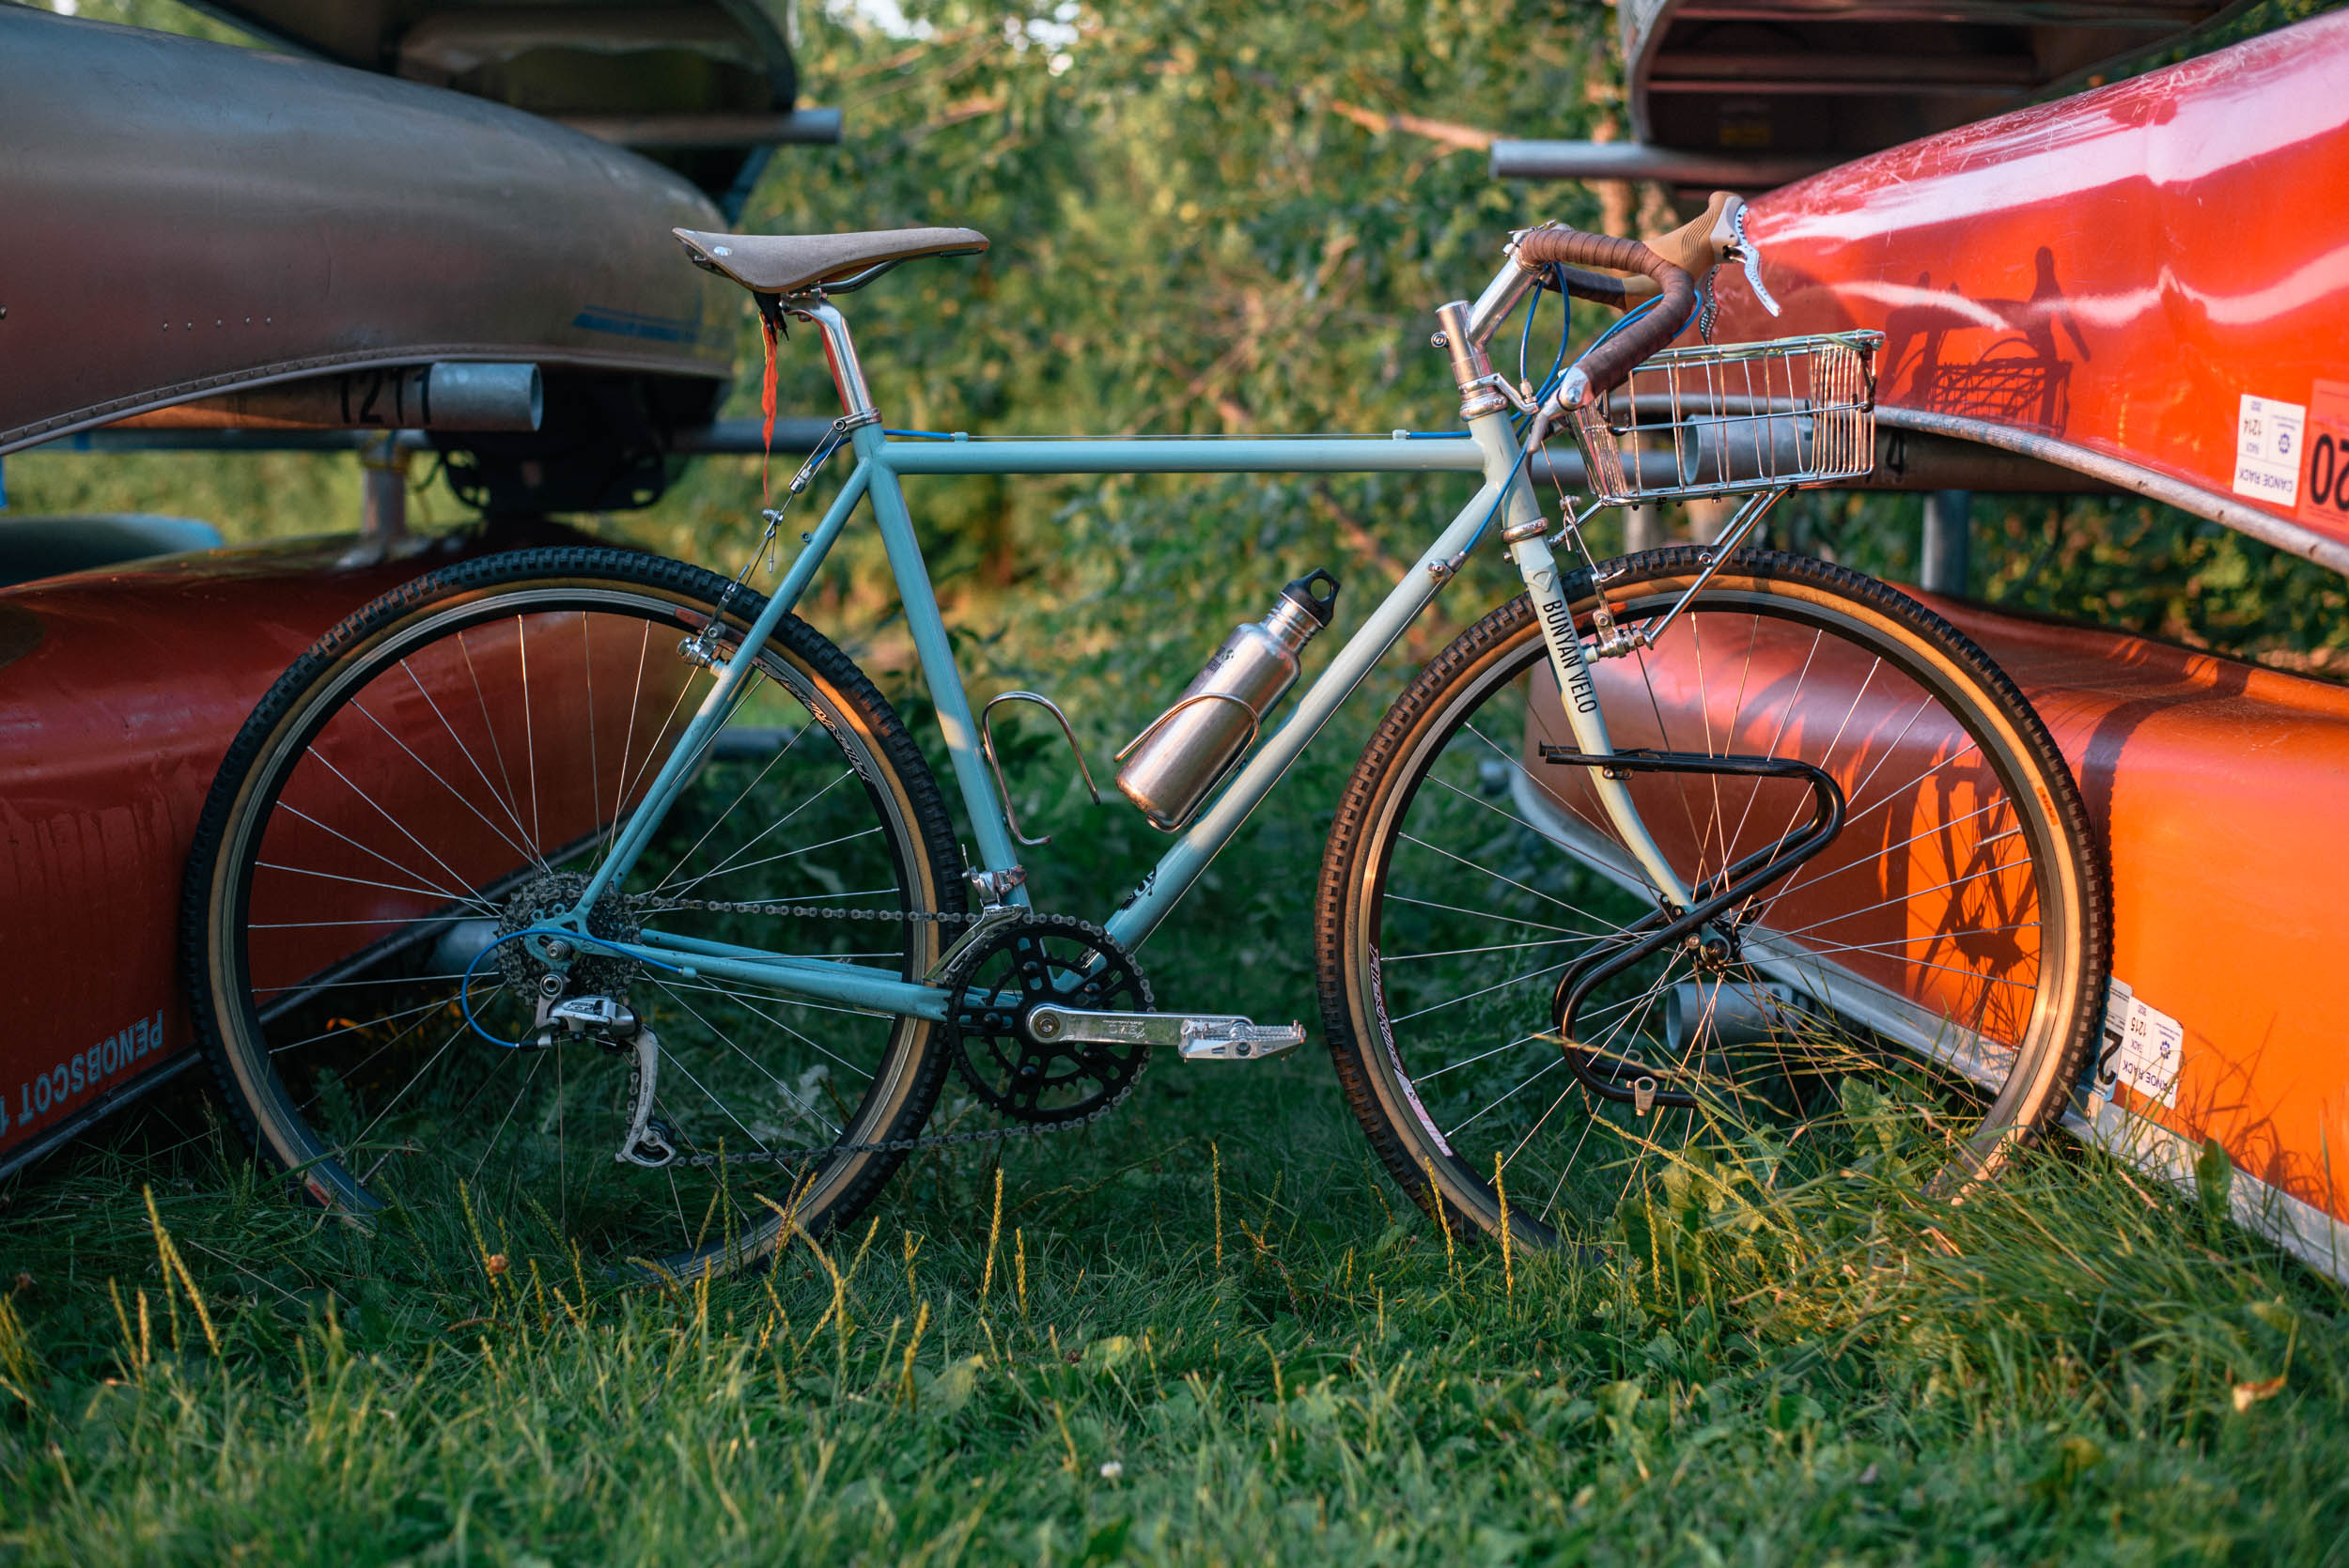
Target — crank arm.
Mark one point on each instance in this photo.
(1201, 1037)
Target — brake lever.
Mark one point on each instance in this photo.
(1750, 254)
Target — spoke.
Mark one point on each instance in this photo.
(1867, 855)
(348, 1026)
(478, 903)
(1549, 1204)
(745, 847)
(1924, 963)
(528, 1079)
(431, 1061)
(675, 704)
(740, 999)
(324, 926)
(1736, 713)
(369, 1059)
(725, 1110)
(455, 876)
(1606, 831)
(587, 682)
(1498, 947)
(1910, 941)
(1451, 1133)
(1487, 871)
(1471, 1061)
(745, 795)
(1908, 896)
(1786, 711)
(803, 1108)
(1468, 995)
(1540, 1122)
(529, 737)
(1585, 857)
(464, 750)
(1481, 914)
(769, 860)
(1799, 878)
(368, 980)
(628, 742)
(786, 1001)
(456, 895)
(1663, 735)
(489, 728)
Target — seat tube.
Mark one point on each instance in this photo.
(952, 705)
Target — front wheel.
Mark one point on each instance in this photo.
(450, 766)
(1941, 961)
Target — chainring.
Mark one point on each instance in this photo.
(1000, 980)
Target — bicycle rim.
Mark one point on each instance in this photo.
(452, 771)
(1934, 966)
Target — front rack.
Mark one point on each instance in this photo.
(1721, 419)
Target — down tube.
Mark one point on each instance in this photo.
(1181, 866)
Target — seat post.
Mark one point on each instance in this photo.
(847, 375)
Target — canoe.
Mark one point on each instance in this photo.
(2147, 283)
(119, 690)
(2218, 786)
(188, 219)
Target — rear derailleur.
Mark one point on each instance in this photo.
(650, 1141)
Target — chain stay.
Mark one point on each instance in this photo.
(887, 1146)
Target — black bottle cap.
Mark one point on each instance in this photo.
(1320, 602)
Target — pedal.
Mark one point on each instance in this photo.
(1237, 1040)
(1200, 1036)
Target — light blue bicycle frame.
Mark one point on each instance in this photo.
(1489, 448)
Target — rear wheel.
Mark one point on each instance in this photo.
(1941, 961)
(451, 764)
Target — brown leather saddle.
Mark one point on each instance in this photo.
(790, 264)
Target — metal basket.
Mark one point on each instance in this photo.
(1717, 420)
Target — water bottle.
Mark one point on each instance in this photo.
(1172, 766)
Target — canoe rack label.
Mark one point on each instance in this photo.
(2267, 443)
(2142, 1047)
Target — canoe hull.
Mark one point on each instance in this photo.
(187, 218)
(2145, 281)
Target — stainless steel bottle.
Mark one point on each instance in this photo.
(1171, 767)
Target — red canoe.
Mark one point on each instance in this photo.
(2148, 282)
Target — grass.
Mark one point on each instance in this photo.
(1205, 1331)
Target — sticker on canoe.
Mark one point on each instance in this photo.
(2142, 1047)
(2267, 449)
(2325, 483)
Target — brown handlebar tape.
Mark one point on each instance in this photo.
(1689, 247)
(1606, 365)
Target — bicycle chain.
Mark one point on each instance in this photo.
(884, 1146)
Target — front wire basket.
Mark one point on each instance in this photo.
(1721, 419)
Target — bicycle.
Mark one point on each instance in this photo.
(1791, 845)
